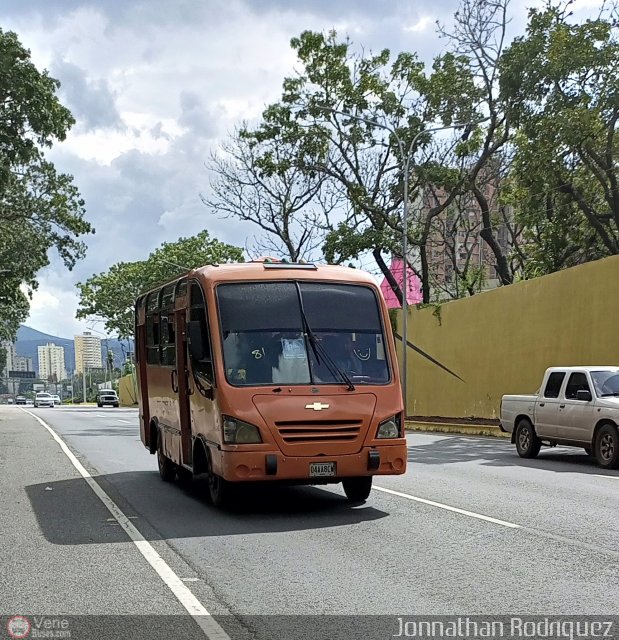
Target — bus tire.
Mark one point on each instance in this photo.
(219, 490)
(185, 477)
(357, 489)
(167, 469)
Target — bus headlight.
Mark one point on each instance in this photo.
(389, 428)
(239, 432)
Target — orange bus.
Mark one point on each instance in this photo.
(270, 371)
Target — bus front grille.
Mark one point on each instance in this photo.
(293, 431)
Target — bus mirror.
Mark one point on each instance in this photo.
(196, 346)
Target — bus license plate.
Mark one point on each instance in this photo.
(318, 469)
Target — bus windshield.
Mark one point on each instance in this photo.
(265, 325)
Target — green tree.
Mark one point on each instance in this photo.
(561, 80)
(40, 209)
(110, 296)
(332, 111)
(2, 358)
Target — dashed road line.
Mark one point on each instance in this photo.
(446, 507)
(539, 533)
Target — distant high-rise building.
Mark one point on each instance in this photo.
(11, 354)
(21, 363)
(51, 363)
(87, 352)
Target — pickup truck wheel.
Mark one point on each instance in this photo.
(607, 447)
(527, 442)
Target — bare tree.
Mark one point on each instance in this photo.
(258, 182)
(479, 34)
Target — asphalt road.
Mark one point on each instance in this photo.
(471, 529)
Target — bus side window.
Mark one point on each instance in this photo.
(152, 328)
(197, 312)
(139, 305)
(167, 327)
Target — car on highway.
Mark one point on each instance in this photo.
(57, 400)
(107, 396)
(20, 400)
(575, 406)
(11, 401)
(43, 399)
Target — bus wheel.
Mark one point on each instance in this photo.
(185, 477)
(219, 490)
(167, 469)
(357, 489)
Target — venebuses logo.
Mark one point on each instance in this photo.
(18, 627)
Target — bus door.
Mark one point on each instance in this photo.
(140, 356)
(181, 373)
(183, 385)
(201, 368)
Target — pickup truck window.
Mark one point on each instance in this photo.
(606, 383)
(577, 382)
(553, 386)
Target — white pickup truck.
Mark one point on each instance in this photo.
(575, 406)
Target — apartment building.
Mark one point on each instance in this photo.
(457, 255)
(21, 363)
(52, 363)
(11, 355)
(87, 352)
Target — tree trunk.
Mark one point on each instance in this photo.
(502, 266)
(393, 283)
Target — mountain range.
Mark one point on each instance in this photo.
(29, 339)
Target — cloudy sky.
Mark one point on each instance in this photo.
(155, 85)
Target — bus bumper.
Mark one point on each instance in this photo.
(238, 466)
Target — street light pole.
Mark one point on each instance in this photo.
(83, 376)
(406, 157)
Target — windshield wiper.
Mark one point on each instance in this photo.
(318, 348)
(608, 395)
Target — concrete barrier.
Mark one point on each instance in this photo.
(454, 427)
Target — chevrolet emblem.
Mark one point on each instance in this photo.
(317, 406)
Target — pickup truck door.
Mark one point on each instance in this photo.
(548, 407)
(576, 415)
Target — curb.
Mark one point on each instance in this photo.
(453, 427)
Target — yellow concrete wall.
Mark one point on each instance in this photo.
(127, 391)
(501, 341)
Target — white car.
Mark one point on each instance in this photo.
(107, 396)
(43, 400)
(57, 400)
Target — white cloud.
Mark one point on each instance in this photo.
(156, 85)
(49, 306)
(421, 25)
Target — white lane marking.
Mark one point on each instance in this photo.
(599, 475)
(176, 585)
(447, 507)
